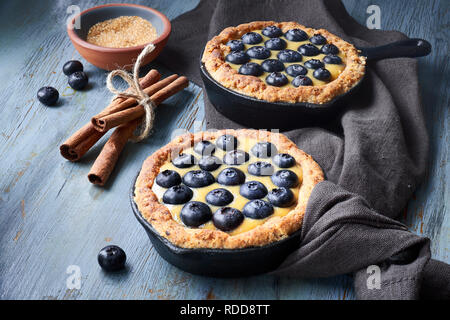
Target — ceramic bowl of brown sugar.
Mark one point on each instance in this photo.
(112, 36)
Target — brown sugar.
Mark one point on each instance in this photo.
(122, 32)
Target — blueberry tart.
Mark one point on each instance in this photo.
(255, 194)
(264, 60)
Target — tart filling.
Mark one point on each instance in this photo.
(228, 189)
(283, 62)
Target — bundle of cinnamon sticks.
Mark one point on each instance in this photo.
(123, 114)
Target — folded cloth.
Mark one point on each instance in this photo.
(374, 155)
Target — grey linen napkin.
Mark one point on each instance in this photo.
(374, 154)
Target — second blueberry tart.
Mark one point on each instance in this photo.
(283, 62)
(255, 193)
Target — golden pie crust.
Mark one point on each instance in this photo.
(274, 229)
(216, 50)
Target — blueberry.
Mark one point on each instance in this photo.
(302, 81)
(330, 49)
(308, 50)
(198, 179)
(78, 80)
(264, 150)
(258, 209)
(252, 38)
(219, 197)
(288, 55)
(261, 168)
(285, 178)
(318, 39)
(332, 59)
(272, 65)
(258, 52)
(177, 195)
(227, 219)
(231, 177)
(277, 79)
(251, 69)
(253, 190)
(236, 157)
(209, 163)
(72, 66)
(236, 45)
(238, 57)
(184, 160)
(296, 35)
(168, 178)
(272, 32)
(195, 213)
(275, 44)
(314, 64)
(112, 258)
(284, 160)
(281, 197)
(296, 70)
(48, 95)
(227, 142)
(322, 74)
(204, 148)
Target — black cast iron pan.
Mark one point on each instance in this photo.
(223, 263)
(260, 114)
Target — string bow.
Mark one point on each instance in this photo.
(136, 92)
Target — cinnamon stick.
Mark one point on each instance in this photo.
(107, 122)
(81, 141)
(107, 159)
(130, 102)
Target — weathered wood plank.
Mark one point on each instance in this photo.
(51, 217)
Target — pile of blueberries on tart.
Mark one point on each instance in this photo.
(284, 62)
(226, 189)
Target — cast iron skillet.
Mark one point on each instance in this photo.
(260, 114)
(219, 263)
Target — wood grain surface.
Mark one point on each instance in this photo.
(51, 217)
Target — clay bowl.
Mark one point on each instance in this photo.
(113, 58)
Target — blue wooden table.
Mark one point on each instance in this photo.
(51, 217)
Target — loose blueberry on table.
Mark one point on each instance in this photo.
(112, 258)
(72, 66)
(78, 80)
(48, 96)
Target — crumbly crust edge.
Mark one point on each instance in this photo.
(274, 229)
(216, 51)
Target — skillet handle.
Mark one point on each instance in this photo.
(406, 48)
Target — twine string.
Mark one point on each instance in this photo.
(136, 92)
